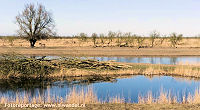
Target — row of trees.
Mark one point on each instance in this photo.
(36, 23)
(129, 39)
(119, 38)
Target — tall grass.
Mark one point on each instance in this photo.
(74, 96)
(136, 69)
(9, 39)
(163, 98)
(88, 96)
(81, 96)
(167, 98)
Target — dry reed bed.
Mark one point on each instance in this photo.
(134, 69)
(167, 98)
(73, 97)
(88, 96)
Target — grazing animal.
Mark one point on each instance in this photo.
(142, 47)
(42, 45)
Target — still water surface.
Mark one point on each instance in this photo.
(129, 88)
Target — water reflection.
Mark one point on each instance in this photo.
(129, 88)
(152, 60)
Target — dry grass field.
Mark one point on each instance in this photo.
(77, 47)
(75, 42)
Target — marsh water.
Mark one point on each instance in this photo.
(128, 88)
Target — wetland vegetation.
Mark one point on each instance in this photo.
(41, 72)
(25, 79)
(19, 66)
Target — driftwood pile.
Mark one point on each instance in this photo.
(15, 65)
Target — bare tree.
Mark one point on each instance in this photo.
(153, 36)
(83, 37)
(102, 37)
(140, 41)
(128, 39)
(111, 36)
(35, 23)
(94, 38)
(119, 38)
(162, 39)
(175, 39)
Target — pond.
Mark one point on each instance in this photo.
(172, 60)
(129, 87)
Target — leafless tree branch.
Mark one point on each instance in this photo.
(35, 23)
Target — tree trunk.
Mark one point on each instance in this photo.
(32, 42)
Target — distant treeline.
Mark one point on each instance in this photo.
(126, 39)
(77, 36)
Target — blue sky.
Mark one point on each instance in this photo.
(100, 16)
